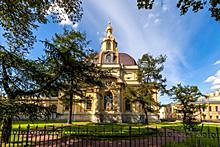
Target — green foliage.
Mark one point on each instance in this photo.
(185, 5)
(21, 77)
(186, 96)
(19, 18)
(151, 82)
(68, 54)
(22, 110)
(150, 71)
(144, 95)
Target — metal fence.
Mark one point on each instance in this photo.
(105, 136)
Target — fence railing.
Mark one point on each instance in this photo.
(110, 136)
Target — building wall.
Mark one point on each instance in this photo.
(210, 113)
(122, 74)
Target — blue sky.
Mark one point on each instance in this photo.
(191, 42)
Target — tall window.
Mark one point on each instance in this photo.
(108, 101)
(210, 108)
(127, 105)
(88, 104)
(108, 45)
(216, 108)
(66, 107)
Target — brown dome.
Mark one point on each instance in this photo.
(126, 59)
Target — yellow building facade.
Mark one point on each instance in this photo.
(109, 104)
(212, 110)
(210, 113)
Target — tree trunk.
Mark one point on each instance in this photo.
(146, 117)
(69, 121)
(184, 118)
(6, 129)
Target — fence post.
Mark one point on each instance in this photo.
(208, 132)
(27, 135)
(165, 133)
(130, 136)
(45, 129)
(156, 137)
(217, 135)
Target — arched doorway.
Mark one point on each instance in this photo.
(108, 101)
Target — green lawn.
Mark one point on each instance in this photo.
(84, 130)
(120, 131)
(207, 135)
(41, 124)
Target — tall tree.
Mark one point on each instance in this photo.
(20, 76)
(151, 83)
(186, 96)
(68, 53)
(185, 5)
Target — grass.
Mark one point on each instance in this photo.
(109, 130)
(206, 135)
(121, 131)
(194, 142)
(38, 125)
(83, 130)
(41, 124)
(212, 128)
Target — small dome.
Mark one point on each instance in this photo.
(126, 59)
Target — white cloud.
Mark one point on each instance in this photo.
(165, 8)
(210, 79)
(217, 73)
(217, 62)
(64, 17)
(151, 15)
(157, 31)
(156, 21)
(214, 80)
(214, 87)
(146, 25)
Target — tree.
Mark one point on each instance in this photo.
(151, 82)
(19, 18)
(145, 95)
(20, 76)
(68, 53)
(186, 96)
(185, 5)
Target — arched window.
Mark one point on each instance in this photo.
(108, 58)
(108, 101)
(108, 45)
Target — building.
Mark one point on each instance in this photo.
(168, 112)
(110, 105)
(212, 110)
(210, 113)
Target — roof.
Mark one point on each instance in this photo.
(126, 59)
